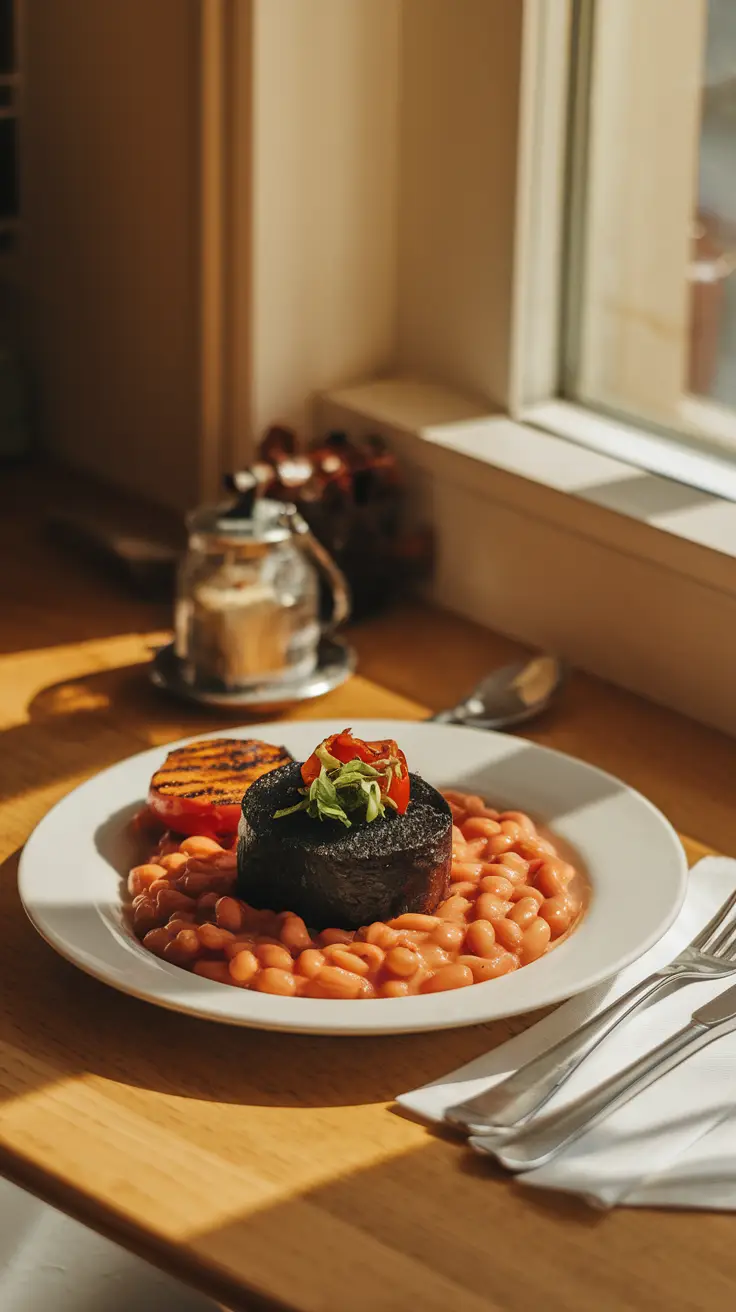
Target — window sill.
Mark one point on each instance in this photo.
(704, 470)
(627, 573)
(711, 419)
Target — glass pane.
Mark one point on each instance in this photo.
(651, 324)
(712, 370)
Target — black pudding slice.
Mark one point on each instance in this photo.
(341, 878)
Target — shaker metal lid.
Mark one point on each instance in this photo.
(249, 518)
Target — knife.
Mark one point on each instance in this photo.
(542, 1138)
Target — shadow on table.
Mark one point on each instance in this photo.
(56, 592)
(433, 1227)
(77, 726)
(439, 1228)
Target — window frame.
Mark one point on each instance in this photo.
(551, 374)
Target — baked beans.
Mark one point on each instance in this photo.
(510, 898)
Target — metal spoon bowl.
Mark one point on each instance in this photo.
(508, 696)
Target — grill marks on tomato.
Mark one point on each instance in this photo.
(217, 771)
(199, 788)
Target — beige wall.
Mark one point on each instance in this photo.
(459, 121)
(361, 263)
(110, 197)
(324, 218)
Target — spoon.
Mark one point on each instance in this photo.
(508, 696)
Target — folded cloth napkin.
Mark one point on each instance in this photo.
(674, 1145)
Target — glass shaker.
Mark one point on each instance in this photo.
(247, 594)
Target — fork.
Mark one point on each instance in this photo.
(514, 1100)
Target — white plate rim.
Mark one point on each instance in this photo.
(151, 980)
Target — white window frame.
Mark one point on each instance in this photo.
(638, 303)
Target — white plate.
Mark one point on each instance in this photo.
(70, 882)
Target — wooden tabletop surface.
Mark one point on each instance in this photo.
(272, 1171)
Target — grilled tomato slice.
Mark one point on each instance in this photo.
(200, 787)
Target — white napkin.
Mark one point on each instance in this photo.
(674, 1145)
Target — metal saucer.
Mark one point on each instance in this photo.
(336, 661)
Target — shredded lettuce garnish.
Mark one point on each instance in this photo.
(340, 791)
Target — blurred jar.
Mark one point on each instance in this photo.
(247, 595)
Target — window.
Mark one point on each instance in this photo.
(648, 301)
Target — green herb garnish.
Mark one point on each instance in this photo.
(341, 790)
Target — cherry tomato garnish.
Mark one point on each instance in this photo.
(346, 747)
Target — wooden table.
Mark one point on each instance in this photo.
(272, 1172)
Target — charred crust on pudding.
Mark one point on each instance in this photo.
(338, 877)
